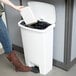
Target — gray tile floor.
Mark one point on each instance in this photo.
(6, 69)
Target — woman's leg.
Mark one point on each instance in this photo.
(7, 45)
(4, 38)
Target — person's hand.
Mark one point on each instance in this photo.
(8, 2)
(19, 8)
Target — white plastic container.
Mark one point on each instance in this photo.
(38, 44)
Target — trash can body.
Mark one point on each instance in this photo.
(38, 44)
(38, 47)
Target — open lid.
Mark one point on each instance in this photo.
(43, 11)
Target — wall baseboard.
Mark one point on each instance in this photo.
(18, 48)
(60, 65)
(73, 62)
(64, 66)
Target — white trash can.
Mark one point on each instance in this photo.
(38, 44)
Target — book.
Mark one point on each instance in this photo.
(28, 15)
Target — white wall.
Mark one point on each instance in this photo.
(73, 49)
(59, 30)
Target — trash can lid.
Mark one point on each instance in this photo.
(43, 11)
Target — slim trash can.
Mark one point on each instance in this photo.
(38, 43)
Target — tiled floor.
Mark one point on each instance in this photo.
(6, 69)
